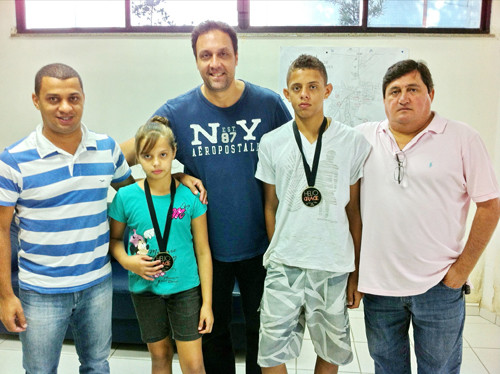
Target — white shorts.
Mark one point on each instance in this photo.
(293, 297)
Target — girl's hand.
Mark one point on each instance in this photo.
(143, 266)
(206, 320)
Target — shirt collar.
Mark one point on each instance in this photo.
(45, 147)
(437, 125)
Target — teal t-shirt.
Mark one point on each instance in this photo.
(130, 206)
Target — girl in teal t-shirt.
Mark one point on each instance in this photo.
(167, 256)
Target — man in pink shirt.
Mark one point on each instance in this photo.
(418, 182)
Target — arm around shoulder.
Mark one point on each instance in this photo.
(126, 182)
(128, 149)
(194, 184)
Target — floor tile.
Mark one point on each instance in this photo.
(364, 359)
(482, 335)
(353, 367)
(11, 361)
(358, 330)
(130, 366)
(476, 320)
(413, 362)
(490, 358)
(68, 363)
(300, 371)
(134, 351)
(307, 336)
(307, 357)
(11, 342)
(465, 343)
(241, 370)
(471, 363)
(356, 313)
(68, 347)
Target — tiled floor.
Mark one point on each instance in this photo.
(481, 353)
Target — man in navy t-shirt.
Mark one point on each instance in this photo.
(218, 127)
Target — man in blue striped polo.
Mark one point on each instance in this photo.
(56, 181)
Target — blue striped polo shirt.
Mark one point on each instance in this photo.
(61, 209)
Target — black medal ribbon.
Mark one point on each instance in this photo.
(165, 258)
(311, 195)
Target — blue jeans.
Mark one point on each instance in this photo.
(88, 312)
(438, 317)
(218, 354)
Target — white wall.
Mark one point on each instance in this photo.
(127, 77)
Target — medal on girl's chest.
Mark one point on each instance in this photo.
(311, 196)
(166, 259)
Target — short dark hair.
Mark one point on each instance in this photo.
(404, 67)
(57, 70)
(210, 25)
(307, 62)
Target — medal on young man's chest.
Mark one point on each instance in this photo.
(311, 196)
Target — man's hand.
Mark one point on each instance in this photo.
(353, 295)
(194, 184)
(12, 315)
(454, 278)
(482, 228)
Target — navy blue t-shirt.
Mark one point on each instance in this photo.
(219, 146)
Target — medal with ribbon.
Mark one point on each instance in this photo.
(166, 259)
(311, 196)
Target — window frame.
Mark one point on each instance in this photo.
(243, 21)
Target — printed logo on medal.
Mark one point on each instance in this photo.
(166, 260)
(311, 197)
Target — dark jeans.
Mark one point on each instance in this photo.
(437, 316)
(218, 351)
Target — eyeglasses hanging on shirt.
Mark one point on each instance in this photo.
(399, 171)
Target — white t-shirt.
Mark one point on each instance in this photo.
(413, 231)
(318, 237)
